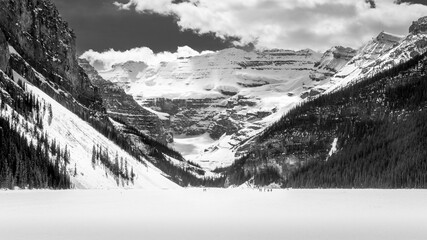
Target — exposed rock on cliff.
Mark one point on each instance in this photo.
(37, 32)
(4, 52)
(419, 26)
(120, 105)
(385, 37)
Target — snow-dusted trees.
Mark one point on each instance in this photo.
(117, 168)
(24, 163)
(27, 165)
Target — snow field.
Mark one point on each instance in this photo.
(224, 214)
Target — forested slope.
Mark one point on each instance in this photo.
(370, 134)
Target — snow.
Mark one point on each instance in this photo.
(203, 150)
(233, 214)
(199, 149)
(272, 80)
(333, 147)
(161, 115)
(190, 146)
(206, 76)
(12, 50)
(68, 129)
(377, 56)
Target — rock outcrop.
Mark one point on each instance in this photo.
(4, 53)
(385, 37)
(336, 58)
(35, 29)
(419, 26)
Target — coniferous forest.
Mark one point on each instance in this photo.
(27, 158)
(380, 127)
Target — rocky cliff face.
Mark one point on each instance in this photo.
(4, 53)
(37, 32)
(419, 26)
(120, 105)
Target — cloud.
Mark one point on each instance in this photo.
(297, 24)
(105, 60)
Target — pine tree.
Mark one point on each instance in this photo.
(132, 175)
(126, 170)
(93, 156)
(50, 114)
(75, 169)
(116, 163)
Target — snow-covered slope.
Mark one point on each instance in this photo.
(336, 58)
(125, 73)
(69, 130)
(217, 74)
(383, 52)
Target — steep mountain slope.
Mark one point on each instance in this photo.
(71, 132)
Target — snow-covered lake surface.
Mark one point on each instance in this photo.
(215, 214)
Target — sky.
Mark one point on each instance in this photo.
(161, 26)
(100, 25)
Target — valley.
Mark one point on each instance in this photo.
(225, 118)
(232, 96)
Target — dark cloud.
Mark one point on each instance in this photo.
(371, 3)
(163, 25)
(424, 2)
(99, 26)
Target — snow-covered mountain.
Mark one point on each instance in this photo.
(126, 73)
(223, 99)
(382, 52)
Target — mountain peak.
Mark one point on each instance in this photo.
(419, 26)
(388, 37)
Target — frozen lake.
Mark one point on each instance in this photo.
(215, 214)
